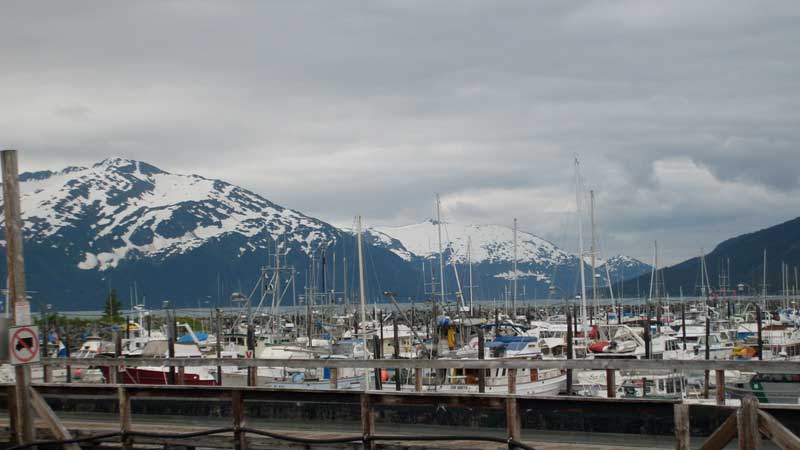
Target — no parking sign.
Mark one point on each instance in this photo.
(23, 345)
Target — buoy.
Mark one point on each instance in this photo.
(384, 375)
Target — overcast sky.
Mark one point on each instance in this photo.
(685, 115)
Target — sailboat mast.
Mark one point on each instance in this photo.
(275, 290)
(514, 293)
(469, 263)
(363, 298)
(441, 254)
(764, 281)
(594, 251)
(580, 247)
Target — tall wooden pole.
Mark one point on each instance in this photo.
(20, 308)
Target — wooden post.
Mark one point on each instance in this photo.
(367, 421)
(513, 420)
(124, 398)
(17, 294)
(172, 331)
(481, 356)
(720, 375)
(747, 418)
(219, 345)
(760, 337)
(396, 355)
(334, 378)
(570, 343)
(48, 373)
(418, 379)
(113, 372)
(378, 354)
(237, 401)
(611, 383)
(512, 381)
(181, 375)
(252, 372)
(682, 428)
(683, 326)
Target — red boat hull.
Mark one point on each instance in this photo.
(133, 375)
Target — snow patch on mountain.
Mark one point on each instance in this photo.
(484, 243)
(119, 208)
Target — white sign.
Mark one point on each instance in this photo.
(22, 313)
(23, 343)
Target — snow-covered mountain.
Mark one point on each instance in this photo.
(490, 248)
(179, 237)
(484, 243)
(193, 240)
(623, 267)
(134, 210)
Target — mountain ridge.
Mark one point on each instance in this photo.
(121, 222)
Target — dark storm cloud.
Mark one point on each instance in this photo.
(684, 113)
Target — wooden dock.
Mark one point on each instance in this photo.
(400, 419)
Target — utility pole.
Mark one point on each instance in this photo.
(20, 308)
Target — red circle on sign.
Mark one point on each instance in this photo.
(34, 351)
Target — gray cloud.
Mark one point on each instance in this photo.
(683, 113)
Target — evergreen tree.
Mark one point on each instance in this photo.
(112, 308)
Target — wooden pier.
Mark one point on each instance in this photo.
(517, 412)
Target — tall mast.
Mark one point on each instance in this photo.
(469, 263)
(514, 293)
(764, 281)
(441, 254)
(580, 247)
(654, 271)
(363, 297)
(344, 283)
(594, 250)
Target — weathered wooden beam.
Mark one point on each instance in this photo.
(720, 382)
(124, 399)
(513, 419)
(417, 379)
(512, 381)
(367, 420)
(682, 428)
(481, 357)
(239, 419)
(611, 383)
(334, 378)
(17, 293)
(747, 418)
(777, 432)
(723, 435)
(50, 418)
